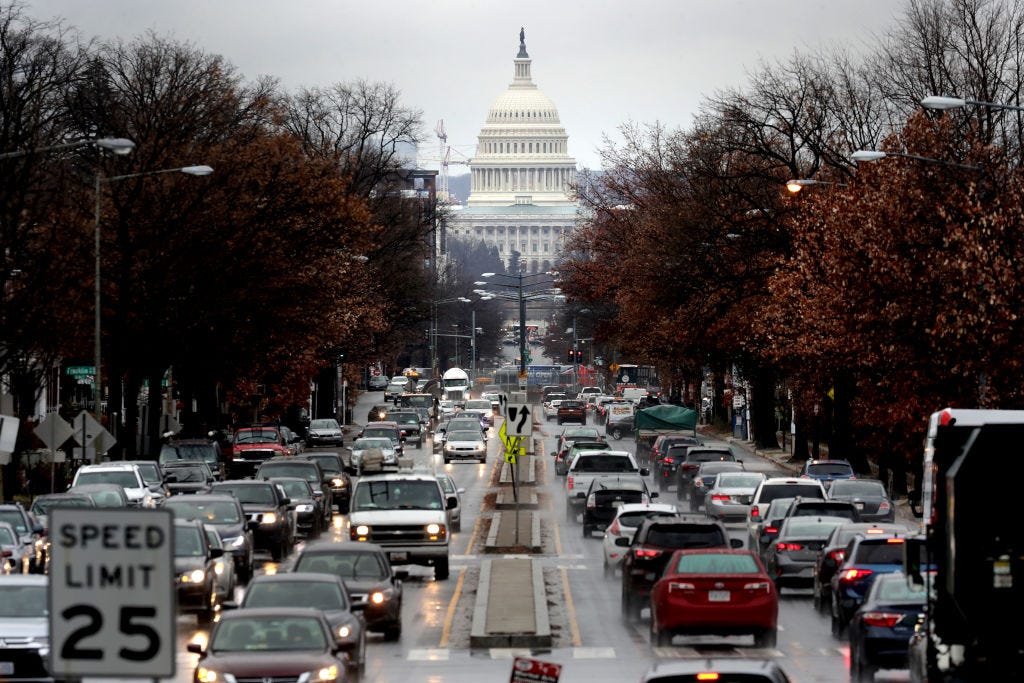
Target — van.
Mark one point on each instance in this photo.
(633, 394)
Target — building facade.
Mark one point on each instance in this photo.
(521, 176)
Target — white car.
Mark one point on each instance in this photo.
(481, 408)
(551, 408)
(464, 445)
(625, 525)
(361, 446)
(325, 431)
(125, 475)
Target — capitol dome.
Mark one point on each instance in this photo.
(523, 105)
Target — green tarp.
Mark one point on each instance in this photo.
(665, 417)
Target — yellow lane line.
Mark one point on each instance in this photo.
(446, 631)
(472, 536)
(570, 608)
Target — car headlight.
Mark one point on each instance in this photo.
(218, 567)
(338, 483)
(433, 528)
(148, 501)
(204, 675)
(328, 673)
(380, 597)
(344, 631)
(194, 576)
(306, 507)
(269, 518)
(362, 530)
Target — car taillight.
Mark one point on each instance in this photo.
(771, 530)
(789, 546)
(765, 586)
(591, 501)
(668, 460)
(854, 574)
(568, 483)
(837, 556)
(894, 540)
(755, 512)
(646, 553)
(884, 506)
(707, 676)
(614, 528)
(688, 466)
(719, 496)
(886, 619)
(680, 586)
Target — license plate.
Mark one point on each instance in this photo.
(6, 668)
(399, 557)
(860, 506)
(617, 503)
(719, 596)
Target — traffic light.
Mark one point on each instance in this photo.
(571, 355)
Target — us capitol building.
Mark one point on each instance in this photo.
(521, 175)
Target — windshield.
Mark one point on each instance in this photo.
(418, 401)
(455, 383)
(189, 474)
(810, 527)
(739, 480)
(23, 602)
(7, 536)
(398, 495)
(381, 433)
(257, 436)
(857, 487)
(324, 424)
(43, 504)
(296, 489)
(183, 451)
(717, 563)
(604, 463)
(446, 484)
(347, 565)
(123, 478)
(279, 634)
(472, 425)
(770, 493)
(328, 463)
(827, 468)
(363, 444)
(463, 436)
(250, 493)
(633, 519)
(15, 519)
(686, 536)
(150, 474)
(478, 405)
(221, 512)
(322, 595)
(286, 469)
(188, 542)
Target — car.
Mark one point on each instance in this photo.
(571, 410)
(386, 429)
(103, 495)
(792, 556)
(188, 477)
(606, 494)
(307, 469)
(266, 504)
(378, 413)
(665, 463)
(381, 448)
(377, 383)
(619, 418)
(627, 517)
(307, 505)
(371, 581)
(223, 513)
(30, 533)
(124, 474)
(746, 669)
(831, 556)
(550, 407)
(815, 507)
(868, 496)
(394, 389)
(866, 557)
(223, 567)
(153, 475)
(572, 434)
(651, 548)
(575, 448)
(409, 424)
(250, 446)
(729, 498)
(765, 531)
(15, 556)
(294, 643)
(25, 628)
(464, 445)
(482, 409)
(207, 450)
(325, 432)
(706, 476)
(690, 461)
(601, 408)
(779, 487)
(827, 471)
(336, 476)
(295, 443)
(880, 629)
(323, 591)
(194, 570)
(23, 556)
(452, 491)
(587, 465)
(718, 591)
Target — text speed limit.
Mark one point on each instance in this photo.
(112, 590)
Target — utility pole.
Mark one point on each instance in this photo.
(472, 351)
(575, 356)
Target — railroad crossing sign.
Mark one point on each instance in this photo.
(111, 593)
(520, 420)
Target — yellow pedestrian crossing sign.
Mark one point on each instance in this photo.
(513, 445)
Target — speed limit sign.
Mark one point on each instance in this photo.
(112, 593)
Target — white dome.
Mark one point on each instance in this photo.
(521, 104)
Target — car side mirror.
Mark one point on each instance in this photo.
(286, 501)
(460, 491)
(622, 542)
(216, 552)
(654, 494)
(452, 503)
(644, 472)
(194, 648)
(229, 604)
(736, 543)
(170, 478)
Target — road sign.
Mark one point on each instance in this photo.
(111, 593)
(525, 670)
(614, 367)
(53, 431)
(8, 432)
(80, 370)
(86, 428)
(520, 420)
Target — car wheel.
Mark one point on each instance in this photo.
(838, 627)
(766, 638)
(630, 606)
(860, 671)
(457, 526)
(441, 569)
(393, 632)
(587, 530)
(616, 433)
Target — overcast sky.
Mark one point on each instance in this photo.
(602, 62)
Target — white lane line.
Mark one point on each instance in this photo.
(429, 654)
(593, 653)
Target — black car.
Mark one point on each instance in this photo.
(606, 494)
(881, 628)
(207, 450)
(29, 530)
(304, 468)
(705, 478)
(308, 508)
(223, 513)
(410, 425)
(691, 461)
(665, 461)
(322, 591)
(368, 576)
(194, 570)
(651, 549)
(868, 496)
(865, 559)
(267, 505)
(336, 475)
(188, 476)
(831, 556)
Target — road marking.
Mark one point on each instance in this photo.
(558, 541)
(449, 616)
(571, 566)
(593, 653)
(428, 654)
(472, 536)
(570, 610)
(510, 652)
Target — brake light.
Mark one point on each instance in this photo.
(568, 483)
(854, 574)
(680, 586)
(883, 506)
(667, 460)
(837, 555)
(875, 531)
(771, 530)
(614, 528)
(591, 501)
(789, 546)
(755, 512)
(886, 619)
(719, 496)
(894, 540)
(688, 466)
(765, 586)
(707, 676)
(646, 553)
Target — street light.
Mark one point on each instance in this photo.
(433, 327)
(797, 184)
(875, 155)
(522, 297)
(119, 146)
(942, 103)
(100, 180)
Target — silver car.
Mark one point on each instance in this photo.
(450, 491)
(729, 499)
(464, 444)
(382, 444)
(868, 496)
(223, 567)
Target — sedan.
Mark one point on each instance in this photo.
(452, 491)
(468, 445)
(627, 519)
(607, 494)
(194, 567)
(223, 567)
(283, 643)
(881, 628)
(705, 478)
(868, 496)
(308, 508)
(325, 432)
(15, 555)
(551, 408)
(792, 556)
(25, 628)
(323, 592)
(714, 591)
(729, 499)
(720, 669)
(382, 445)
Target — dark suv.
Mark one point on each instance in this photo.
(266, 504)
(410, 425)
(652, 547)
(695, 455)
(303, 468)
(570, 410)
(665, 462)
(866, 556)
(333, 466)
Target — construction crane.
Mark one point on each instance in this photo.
(444, 158)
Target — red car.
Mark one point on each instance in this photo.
(714, 591)
(251, 446)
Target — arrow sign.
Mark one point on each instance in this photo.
(53, 431)
(520, 420)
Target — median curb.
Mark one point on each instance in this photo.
(511, 608)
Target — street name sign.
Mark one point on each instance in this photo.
(520, 420)
(112, 593)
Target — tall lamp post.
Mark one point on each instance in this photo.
(433, 328)
(100, 180)
(520, 281)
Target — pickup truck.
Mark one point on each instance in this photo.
(589, 464)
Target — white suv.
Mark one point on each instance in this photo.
(125, 475)
(778, 487)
